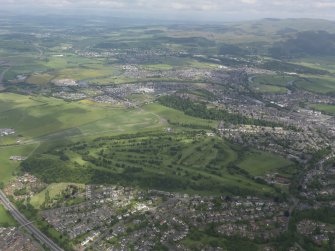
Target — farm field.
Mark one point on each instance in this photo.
(320, 63)
(328, 109)
(319, 84)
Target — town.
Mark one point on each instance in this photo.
(119, 218)
(120, 135)
(6, 132)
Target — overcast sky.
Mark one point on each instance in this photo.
(210, 10)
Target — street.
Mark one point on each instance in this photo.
(22, 220)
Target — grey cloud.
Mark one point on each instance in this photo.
(210, 9)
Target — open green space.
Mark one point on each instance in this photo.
(5, 219)
(275, 83)
(9, 168)
(319, 63)
(34, 117)
(52, 192)
(260, 163)
(200, 110)
(320, 84)
(276, 80)
(269, 88)
(328, 109)
(184, 162)
(174, 116)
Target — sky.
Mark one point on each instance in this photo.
(202, 10)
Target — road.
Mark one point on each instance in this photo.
(27, 224)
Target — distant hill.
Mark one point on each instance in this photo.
(278, 26)
(312, 43)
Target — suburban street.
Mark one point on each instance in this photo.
(24, 222)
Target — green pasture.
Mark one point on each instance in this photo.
(260, 163)
(328, 109)
(175, 116)
(53, 191)
(8, 168)
(319, 84)
(5, 219)
(275, 80)
(268, 88)
(319, 63)
(34, 117)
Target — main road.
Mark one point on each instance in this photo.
(27, 224)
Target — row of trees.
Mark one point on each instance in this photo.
(200, 110)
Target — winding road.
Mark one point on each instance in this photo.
(24, 222)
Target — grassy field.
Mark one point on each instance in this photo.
(8, 167)
(5, 218)
(328, 109)
(53, 191)
(276, 84)
(261, 163)
(269, 88)
(39, 116)
(276, 80)
(40, 79)
(175, 116)
(40, 119)
(185, 162)
(320, 84)
(68, 66)
(319, 63)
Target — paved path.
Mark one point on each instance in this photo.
(27, 224)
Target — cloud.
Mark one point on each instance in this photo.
(207, 8)
(249, 1)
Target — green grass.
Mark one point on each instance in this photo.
(156, 67)
(8, 168)
(70, 61)
(40, 79)
(260, 163)
(328, 109)
(8, 140)
(175, 116)
(54, 190)
(27, 68)
(181, 161)
(69, 66)
(319, 63)
(269, 88)
(5, 218)
(49, 117)
(320, 84)
(83, 73)
(275, 80)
